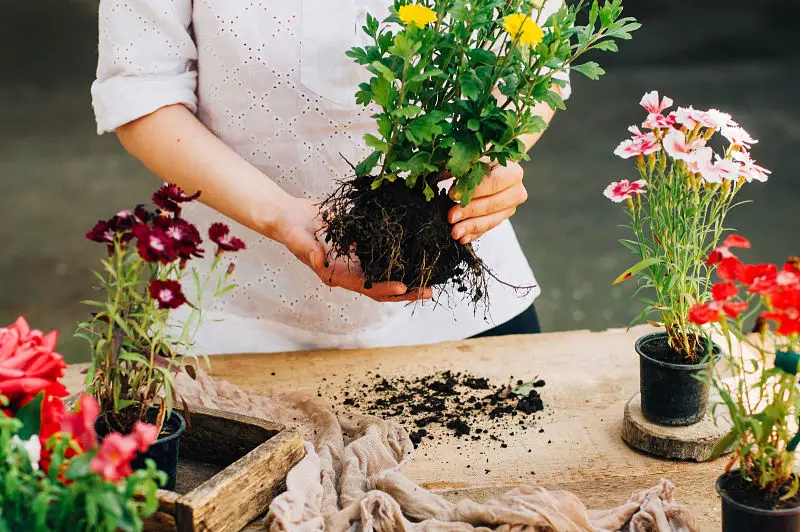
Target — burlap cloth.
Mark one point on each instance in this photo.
(351, 479)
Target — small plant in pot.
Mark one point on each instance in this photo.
(762, 397)
(689, 180)
(455, 85)
(136, 348)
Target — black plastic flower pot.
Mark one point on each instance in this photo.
(164, 451)
(740, 517)
(672, 393)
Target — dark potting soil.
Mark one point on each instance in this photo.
(399, 236)
(751, 494)
(658, 348)
(465, 405)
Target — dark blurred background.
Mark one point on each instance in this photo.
(740, 56)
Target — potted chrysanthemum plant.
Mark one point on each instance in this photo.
(758, 390)
(54, 475)
(455, 85)
(136, 348)
(677, 214)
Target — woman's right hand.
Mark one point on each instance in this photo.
(300, 228)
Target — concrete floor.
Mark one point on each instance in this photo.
(58, 177)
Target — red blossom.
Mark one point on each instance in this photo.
(219, 234)
(736, 241)
(170, 197)
(154, 245)
(113, 460)
(730, 269)
(52, 417)
(184, 236)
(29, 364)
(144, 435)
(724, 291)
(167, 293)
(80, 423)
(703, 313)
(102, 233)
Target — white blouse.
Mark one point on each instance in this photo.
(270, 78)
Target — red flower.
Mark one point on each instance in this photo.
(723, 251)
(184, 236)
(722, 305)
(736, 241)
(154, 245)
(169, 198)
(113, 460)
(28, 364)
(167, 293)
(80, 423)
(101, 232)
(144, 435)
(52, 417)
(219, 234)
(730, 269)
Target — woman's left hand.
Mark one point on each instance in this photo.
(496, 199)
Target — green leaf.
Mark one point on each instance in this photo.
(463, 155)
(606, 46)
(367, 165)
(405, 46)
(30, 416)
(379, 68)
(471, 85)
(375, 143)
(723, 445)
(425, 128)
(554, 100)
(479, 56)
(409, 111)
(636, 268)
(525, 388)
(590, 69)
(473, 124)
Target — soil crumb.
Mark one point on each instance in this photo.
(466, 406)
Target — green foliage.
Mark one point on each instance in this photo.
(463, 89)
(39, 501)
(761, 401)
(136, 350)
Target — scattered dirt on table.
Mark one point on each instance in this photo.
(467, 406)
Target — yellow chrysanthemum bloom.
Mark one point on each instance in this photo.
(416, 14)
(521, 26)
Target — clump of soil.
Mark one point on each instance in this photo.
(750, 494)
(660, 349)
(465, 405)
(399, 236)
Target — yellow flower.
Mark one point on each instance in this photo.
(416, 14)
(522, 27)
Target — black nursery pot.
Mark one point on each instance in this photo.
(671, 393)
(164, 451)
(739, 517)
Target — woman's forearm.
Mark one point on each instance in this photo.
(179, 149)
(547, 114)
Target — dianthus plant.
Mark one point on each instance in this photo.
(690, 188)
(762, 399)
(457, 81)
(135, 348)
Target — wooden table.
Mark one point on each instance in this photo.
(589, 377)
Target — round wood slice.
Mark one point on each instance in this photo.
(677, 443)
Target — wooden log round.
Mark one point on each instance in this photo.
(692, 443)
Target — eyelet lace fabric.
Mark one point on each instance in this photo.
(271, 80)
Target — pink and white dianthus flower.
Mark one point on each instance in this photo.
(653, 104)
(749, 169)
(659, 121)
(700, 162)
(737, 136)
(620, 191)
(640, 144)
(677, 147)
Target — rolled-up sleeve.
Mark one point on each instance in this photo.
(147, 60)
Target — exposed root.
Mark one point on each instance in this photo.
(399, 236)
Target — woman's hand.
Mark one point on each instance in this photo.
(300, 228)
(496, 199)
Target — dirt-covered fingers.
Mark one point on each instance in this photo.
(473, 228)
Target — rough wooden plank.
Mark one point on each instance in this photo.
(241, 492)
(223, 437)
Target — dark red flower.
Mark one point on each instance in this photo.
(142, 214)
(169, 198)
(101, 232)
(154, 245)
(168, 293)
(184, 236)
(219, 234)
